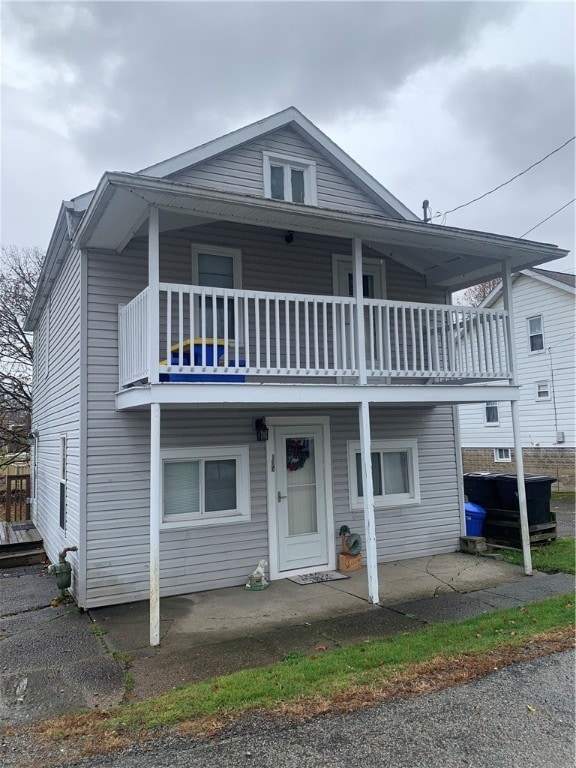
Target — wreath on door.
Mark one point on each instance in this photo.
(297, 453)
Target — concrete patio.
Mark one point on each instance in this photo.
(210, 633)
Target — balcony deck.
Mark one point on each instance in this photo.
(222, 337)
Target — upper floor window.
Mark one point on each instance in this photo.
(535, 334)
(289, 178)
(491, 417)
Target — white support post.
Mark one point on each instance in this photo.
(524, 532)
(153, 295)
(155, 507)
(368, 495)
(359, 296)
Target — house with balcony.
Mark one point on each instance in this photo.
(244, 347)
(544, 317)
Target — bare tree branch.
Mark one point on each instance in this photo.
(475, 295)
(19, 270)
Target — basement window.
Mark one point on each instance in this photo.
(502, 455)
(289, 178)
(205, 486)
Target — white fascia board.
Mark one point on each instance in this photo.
(234, 395)
(56, 252)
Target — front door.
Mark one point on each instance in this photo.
(300, 499)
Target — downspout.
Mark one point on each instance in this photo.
(524, 530)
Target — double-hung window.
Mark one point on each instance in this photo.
(395, 477)
(535, 333)
(491, 418)
(205, 486)
(289, 178)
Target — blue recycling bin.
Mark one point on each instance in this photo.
(475, 516)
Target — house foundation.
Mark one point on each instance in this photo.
(555, 462)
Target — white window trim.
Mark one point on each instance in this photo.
(240, 453)
(216, 250)
(529, 335)
(548, 397)
(390, 500)
(491, 423)
(63, 482)
(501, 460)
(288, 161)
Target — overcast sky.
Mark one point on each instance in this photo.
(437, 100)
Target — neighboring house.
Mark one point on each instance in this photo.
(544, 336)
(188, 312)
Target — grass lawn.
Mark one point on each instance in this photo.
(557, 557)
(312, 684)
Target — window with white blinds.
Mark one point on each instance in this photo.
(205, 486)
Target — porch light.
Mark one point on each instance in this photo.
(289, 238)
(261, 431)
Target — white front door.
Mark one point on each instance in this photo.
(300, 500)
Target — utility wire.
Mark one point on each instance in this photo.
(547, 218)
(475, 200)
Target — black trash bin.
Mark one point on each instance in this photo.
(481, 489)
(538, 495)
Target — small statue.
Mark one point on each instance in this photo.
(257, 579)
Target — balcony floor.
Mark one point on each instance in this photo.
(298, 394)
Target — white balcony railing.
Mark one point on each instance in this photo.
(219, 332)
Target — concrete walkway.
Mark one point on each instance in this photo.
(211, 633)
(56, 659)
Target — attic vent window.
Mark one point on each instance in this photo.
(289, 178)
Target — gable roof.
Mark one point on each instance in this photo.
(562, 280)
(293, 118)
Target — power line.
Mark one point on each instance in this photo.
(517, 176)
(547, 218)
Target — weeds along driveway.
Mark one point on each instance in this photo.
(51, 660)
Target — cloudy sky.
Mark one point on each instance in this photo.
(437, 100)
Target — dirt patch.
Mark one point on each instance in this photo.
(67, 739)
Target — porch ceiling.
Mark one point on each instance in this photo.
(448, 257)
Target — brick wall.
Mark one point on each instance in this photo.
(555, 462)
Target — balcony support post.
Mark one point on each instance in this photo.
(155, 516)
(358, 283)
(153, 295)
(368, 495)
(519, 459)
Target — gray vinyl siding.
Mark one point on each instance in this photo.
(539, 420)
(270, 264)
(241, 170)
(197, 559)
(118, 443)
(56, 410)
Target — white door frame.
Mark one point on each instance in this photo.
(296, 421)
(370, 265)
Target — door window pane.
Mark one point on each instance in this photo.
(220, 485)
(297, 178)
(367, 285)
(181, 488)
(301, 486)
(215, 271)
(396, 478)
(277, 182)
